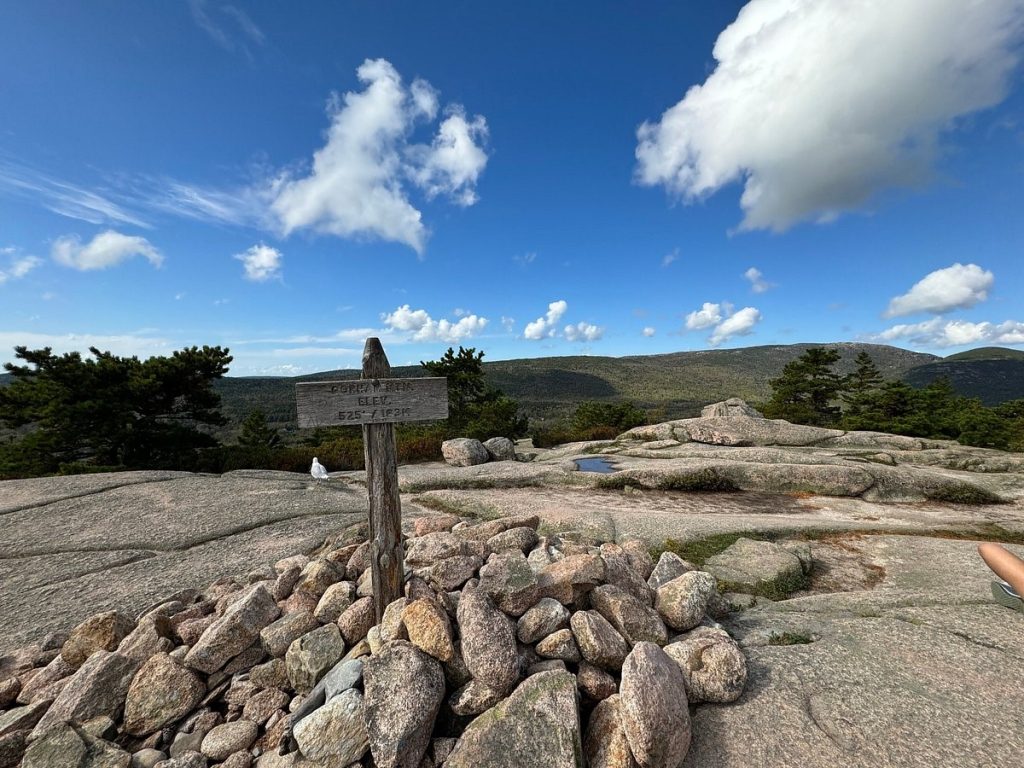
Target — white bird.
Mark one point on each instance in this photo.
(318, 471)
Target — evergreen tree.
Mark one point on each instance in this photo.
(859, 385)
(109, 410)
(475, 408)
(256, 433)
(621, 416)
(805, 391)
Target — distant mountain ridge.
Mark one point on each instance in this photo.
(673, 385)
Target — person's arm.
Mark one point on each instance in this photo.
(1005, 564)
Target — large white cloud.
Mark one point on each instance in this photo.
(708, 315)
(815, 105)
(423, 327)
(938, 332)
(358, 181)
(544, 327)
(105, 250)
(740, 323)
(262, 263)
(957, 287)
(725, 321)
(453, 163)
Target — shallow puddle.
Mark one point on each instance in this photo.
(596, 464)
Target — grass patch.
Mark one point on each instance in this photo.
(618, 481)
(790, 638)
(701, 481)
(460, 507)
(453, 483)
(777, 589)
(962, 493)
(707, 480)
(698, 551)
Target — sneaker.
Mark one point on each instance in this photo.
(1005, 595)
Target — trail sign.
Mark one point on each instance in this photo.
(371, 401)
(377, 402)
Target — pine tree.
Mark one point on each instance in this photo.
(110, 410)
(805, 391)
(475, 408)
(859, 387)
(256, 433)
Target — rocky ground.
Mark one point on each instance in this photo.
(889, 650)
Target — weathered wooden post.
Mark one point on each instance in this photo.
(377, 402)
(381, 460)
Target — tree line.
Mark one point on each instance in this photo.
(71, 413)
(809, 391)
(68, 413)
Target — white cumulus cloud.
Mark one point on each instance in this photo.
(358, 183)
(262, 263)
(105, 250)
(423, 327)
(816, 105)
(453, 163)
(740, 323)
(708, 315)
(544, 327)
(957, 287)
(724, 320)
(583, 332)
(648, 331)
(954, 333)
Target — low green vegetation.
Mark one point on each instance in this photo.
(592, 420)
(776, 589)
(963, 493)
(698, 551)
(701, 480)
(810, 392)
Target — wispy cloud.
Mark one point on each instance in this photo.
(228, 26)
(756, 279)
(668, 258)
(128, 344)
(64, 197)
(238, 205)
(17, 266)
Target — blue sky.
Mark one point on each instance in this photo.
(527, 178)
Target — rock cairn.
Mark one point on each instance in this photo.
(508, 649)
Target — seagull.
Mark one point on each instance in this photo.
(318, 471)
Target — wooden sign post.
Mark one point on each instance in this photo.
(377, 403)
